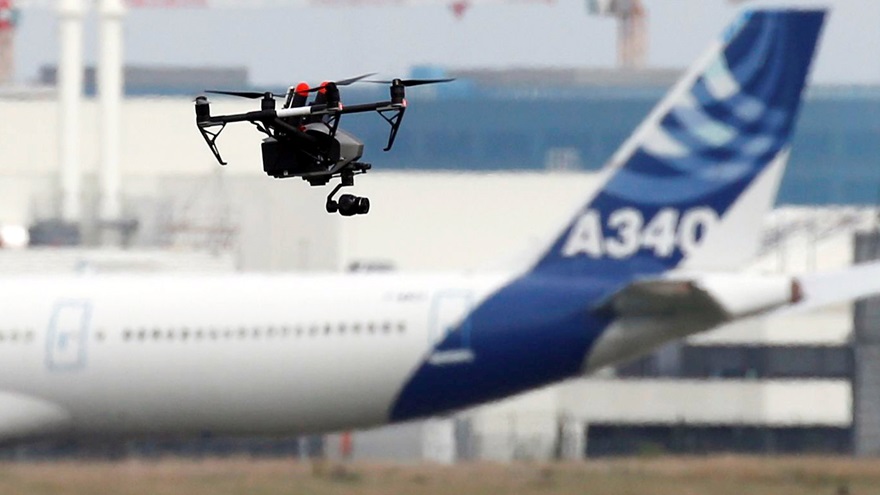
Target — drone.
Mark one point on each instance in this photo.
(303, 138)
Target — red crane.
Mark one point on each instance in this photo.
(8, 18)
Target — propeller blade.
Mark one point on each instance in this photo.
(242, 94)
(351, 80)
(413, 82)
(342, 82)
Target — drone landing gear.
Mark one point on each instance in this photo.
(348, 204)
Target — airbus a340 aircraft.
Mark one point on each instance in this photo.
(647, 259)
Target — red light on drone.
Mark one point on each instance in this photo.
(323, 89)
(302, 89)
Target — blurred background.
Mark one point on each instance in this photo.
(102, 170)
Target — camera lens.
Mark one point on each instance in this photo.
(350, 204)
(363, 206)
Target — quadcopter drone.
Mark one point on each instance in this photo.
(304, 139)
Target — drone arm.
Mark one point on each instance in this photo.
(318, 109)
(267, 115)
(370, 107)
(300, 135)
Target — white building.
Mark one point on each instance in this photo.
(785, 381)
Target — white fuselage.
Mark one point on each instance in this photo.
(242, 354)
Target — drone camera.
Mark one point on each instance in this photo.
(350, 205)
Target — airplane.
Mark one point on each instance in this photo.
(650, 257)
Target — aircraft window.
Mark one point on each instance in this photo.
(327, 329)
(386, 327)
(371, 328)
(199, 334)
(285, 330)
(256, 333)
(126, 334)
(356, 328)
(401, 326)
(99, 335)
(270, 332)
(227, 334)
(313, 330)
(142, 334)
(29, 336)
(2, 337)
(342, 328)
(13, 336)
(184, 334)
(242, 332)
(213, 334)
(298, 330)
(169, 335)
(157, 334)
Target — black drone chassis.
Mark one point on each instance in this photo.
(267, 119)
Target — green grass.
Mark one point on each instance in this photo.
(655, 476)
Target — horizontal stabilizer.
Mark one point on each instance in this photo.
(835, 287)
(650, 312)
(657, 297)
(718, 296)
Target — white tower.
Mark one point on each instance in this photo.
(110, 89)
(70, 89)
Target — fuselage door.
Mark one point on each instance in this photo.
(450, 327)
(67, 335)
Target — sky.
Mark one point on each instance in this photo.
(283, 45)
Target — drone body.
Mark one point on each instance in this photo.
(303, 139)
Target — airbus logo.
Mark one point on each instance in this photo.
(667, 231)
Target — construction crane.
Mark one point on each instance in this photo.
(632, 29)
(454, 5)
(8, 13)
(8, 18)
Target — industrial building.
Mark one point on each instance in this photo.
(484, 170)
(782, 385)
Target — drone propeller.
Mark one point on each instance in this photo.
(413, 82)
(245, 94)
(342, 82)
(267, 94)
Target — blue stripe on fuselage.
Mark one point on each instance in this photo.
(535, 331)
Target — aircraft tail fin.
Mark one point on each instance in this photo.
(689, 188)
